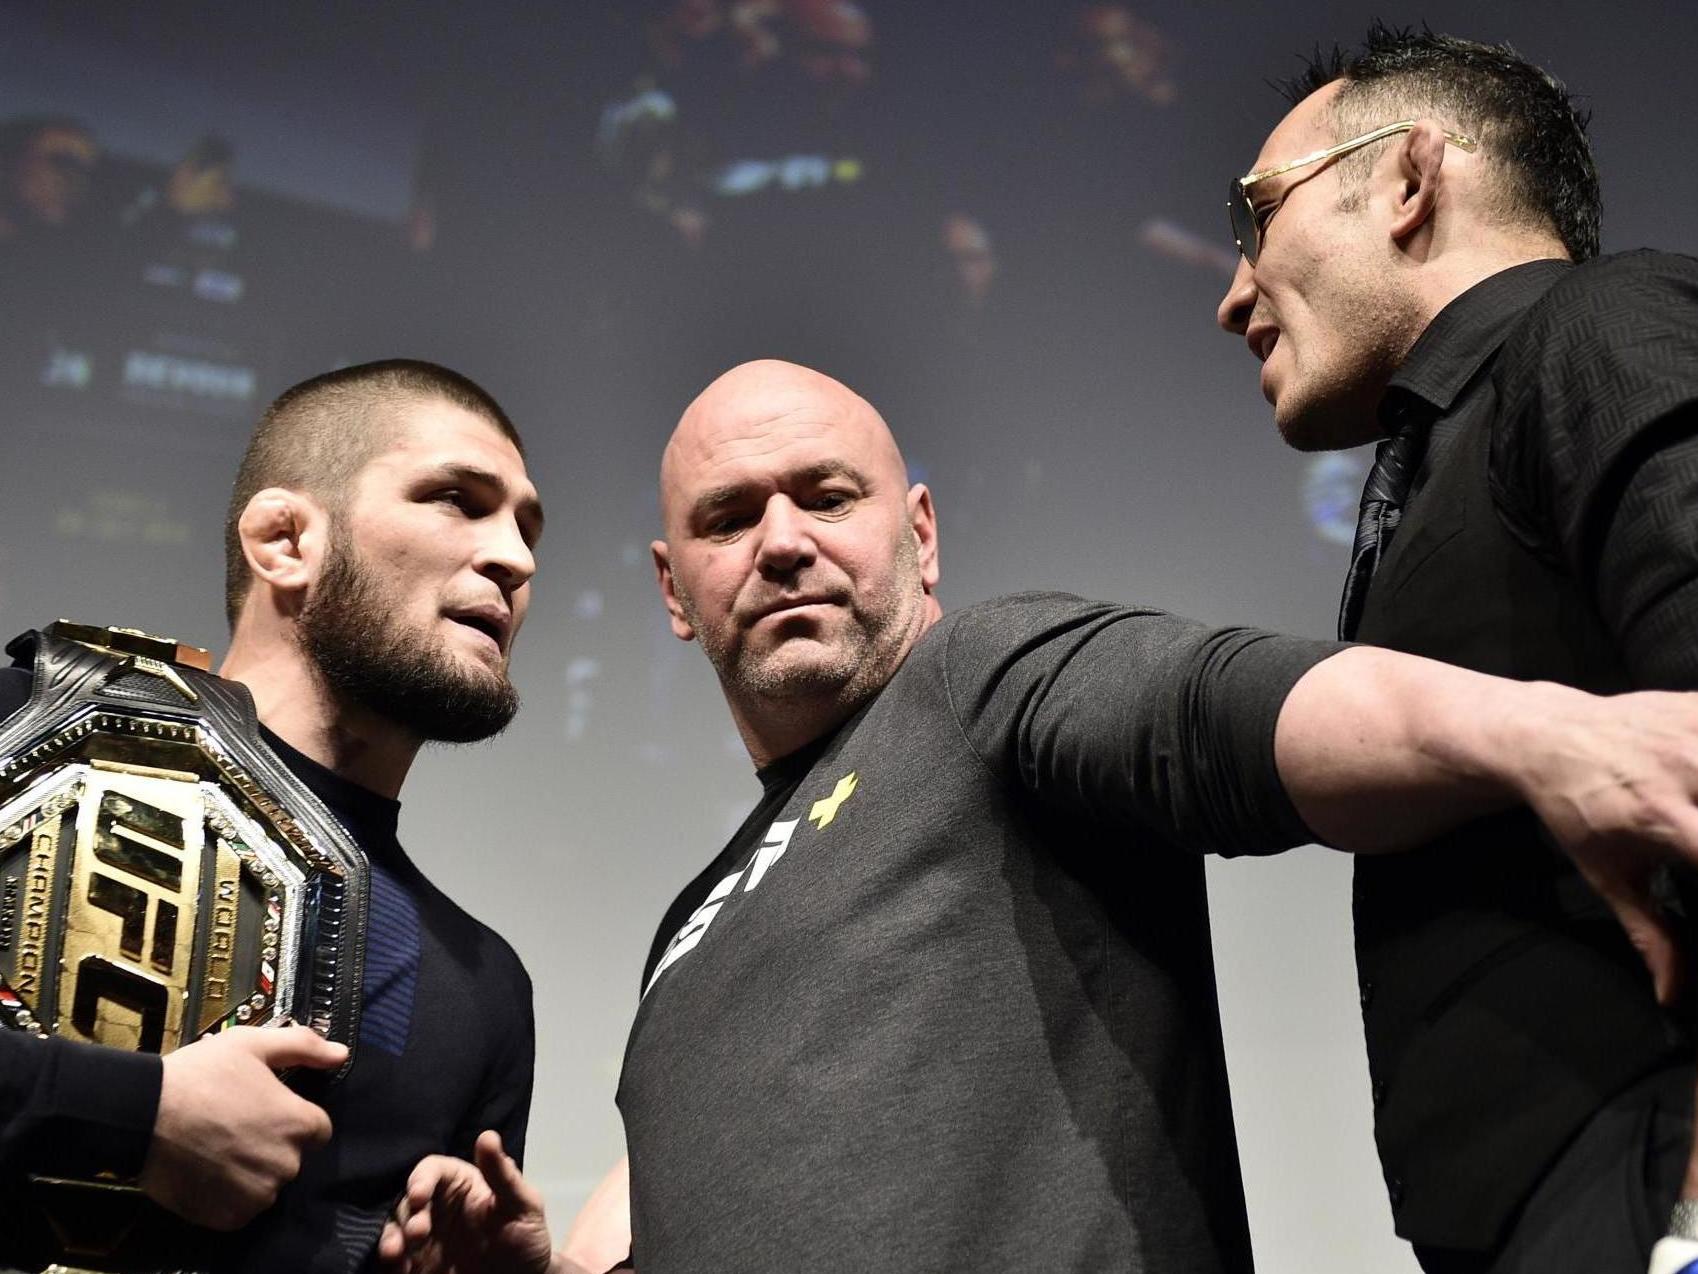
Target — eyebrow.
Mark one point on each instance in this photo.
(716, 498)
(529, 509)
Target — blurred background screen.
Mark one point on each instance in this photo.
(1001, 222)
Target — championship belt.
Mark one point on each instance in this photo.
(163, 876)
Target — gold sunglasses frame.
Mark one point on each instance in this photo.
(1240, 191)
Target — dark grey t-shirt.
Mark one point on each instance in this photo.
(946, 1002)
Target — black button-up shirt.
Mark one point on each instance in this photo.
(1551, 532)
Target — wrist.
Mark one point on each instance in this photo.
(1520, 746)
(1503, 743)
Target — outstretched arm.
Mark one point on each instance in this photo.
(1381, 751)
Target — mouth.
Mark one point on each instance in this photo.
(786, 605)
(493, 622)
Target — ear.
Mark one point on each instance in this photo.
(922, 519)
(1420, 162)
(284, 535)
(681, 627)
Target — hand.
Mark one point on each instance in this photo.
(600, 1237)
(469, 1218)
(1616, 782)
(229, 1134)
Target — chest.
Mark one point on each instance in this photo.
(1459, 585)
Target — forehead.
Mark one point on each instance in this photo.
(432, 433)
(766, 437)
(1306, 127)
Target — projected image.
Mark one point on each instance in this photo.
(153, 219)
(1178, 243)
(1332, 493)
(47, 168)
(969, 247)
(829, 40)
(1111, 53)
(736, 99)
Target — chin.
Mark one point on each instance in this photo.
(795, 673)
(1312, 426)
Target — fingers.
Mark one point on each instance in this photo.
(432, 1174)
(1655, 940)
(512, 1192)
(283, 1046)
(391, 1248)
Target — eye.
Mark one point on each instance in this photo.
(459, 499)
(727, 525)
(831, 502)
(1265, 214)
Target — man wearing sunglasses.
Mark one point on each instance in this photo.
(1420, 239)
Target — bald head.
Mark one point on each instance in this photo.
(753, 409)
(796, 552)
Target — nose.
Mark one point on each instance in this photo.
(786, 539)
(1233, 313)
(504, 556)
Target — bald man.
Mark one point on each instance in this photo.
(945, 1001)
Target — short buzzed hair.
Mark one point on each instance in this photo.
(1542, 173)
(319, 434)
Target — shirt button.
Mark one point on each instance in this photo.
(1379, 1093)
(1366, 994)
(1394, 1191)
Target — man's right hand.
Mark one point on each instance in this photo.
(230, 1134)
(470, 1218)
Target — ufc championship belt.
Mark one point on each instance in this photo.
(163, 876)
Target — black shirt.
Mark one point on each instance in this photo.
(946, 1001)
(445, 1050)
(1549, 534)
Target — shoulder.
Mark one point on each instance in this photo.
(1624, 325)
(469, 941)
(15, 686)
(1599, 360)
(1018, 617)
(1610, 299)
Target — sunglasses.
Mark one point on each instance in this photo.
(1248, 221)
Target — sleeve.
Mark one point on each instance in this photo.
(505, 1104)
(1132, 717)
(68, 1108)
(1594, 459)
(14, 690)
(73, 1109)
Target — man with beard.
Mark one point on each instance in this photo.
(1420, 268)
(379, 555)
(946, 1000)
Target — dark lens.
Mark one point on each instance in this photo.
(1243, 220)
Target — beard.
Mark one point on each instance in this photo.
(846, 667)
(367, 657)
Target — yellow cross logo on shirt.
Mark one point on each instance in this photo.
(824, 811)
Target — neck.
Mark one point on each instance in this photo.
(294, 702)
(1446, 277)
(775, 728)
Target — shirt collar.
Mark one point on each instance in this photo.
(370, 818)
(1464, 334)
